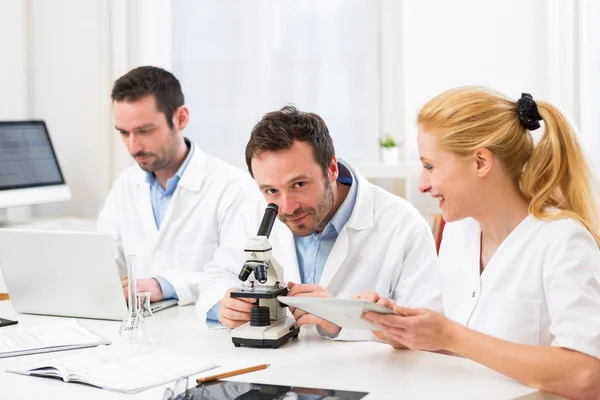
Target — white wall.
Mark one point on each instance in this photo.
(238, 60)
(55, 67)
(70, 90)
(13, 68)
(501, 44)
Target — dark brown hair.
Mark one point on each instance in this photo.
(144, 81)
(278, 130)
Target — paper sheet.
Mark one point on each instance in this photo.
(124, 368)
(58, 334)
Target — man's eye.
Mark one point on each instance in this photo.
(270, 191)
(299, 184)
(144, 131)
(428, 167)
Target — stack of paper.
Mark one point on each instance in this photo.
(62, 335)
(123, 368)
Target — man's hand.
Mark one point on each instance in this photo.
(234, 312)
(304, 318)
(145, 285)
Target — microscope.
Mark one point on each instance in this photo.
(269, 324)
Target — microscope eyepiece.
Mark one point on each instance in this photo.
(261, 273)
(268, 220)
(245, 273)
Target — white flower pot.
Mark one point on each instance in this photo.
(390, 156)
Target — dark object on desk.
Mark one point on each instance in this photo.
(7, 322)
(225, 390)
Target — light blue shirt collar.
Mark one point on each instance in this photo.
(313, 250)
(174, 180)
(343, 213)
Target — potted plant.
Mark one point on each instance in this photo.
(390, 150)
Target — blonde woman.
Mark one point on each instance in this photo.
(519, 261)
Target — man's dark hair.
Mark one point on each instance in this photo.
(278, 130)
(144, 81)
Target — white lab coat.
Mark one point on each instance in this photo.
(385, 246)
(213, 211)
(541, 287)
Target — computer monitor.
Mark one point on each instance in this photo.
(29, 170)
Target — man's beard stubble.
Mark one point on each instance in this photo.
(322, 214)
(159, 162)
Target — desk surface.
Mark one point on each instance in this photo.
(309, 361)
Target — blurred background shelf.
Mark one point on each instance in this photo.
(403, 170)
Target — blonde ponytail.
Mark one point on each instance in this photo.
(553, 176)
(557, 181)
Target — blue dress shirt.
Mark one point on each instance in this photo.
(313, 250)
(160, 199)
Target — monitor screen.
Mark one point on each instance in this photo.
(28, 165)
(27, 158)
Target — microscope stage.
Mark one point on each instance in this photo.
(260, 292)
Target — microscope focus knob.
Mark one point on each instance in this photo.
(260, 316)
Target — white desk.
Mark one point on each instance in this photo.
(310, 361)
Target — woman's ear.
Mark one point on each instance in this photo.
(485, 160)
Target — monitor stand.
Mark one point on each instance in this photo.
(14, 216)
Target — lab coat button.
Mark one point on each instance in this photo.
(473, 295)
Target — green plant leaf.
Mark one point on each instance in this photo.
(388, 142)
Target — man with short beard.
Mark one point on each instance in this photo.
(178, 209)
(344, 235)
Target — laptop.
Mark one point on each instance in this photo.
(71, 274)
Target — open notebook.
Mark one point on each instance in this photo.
(121, 368)
(56, 336)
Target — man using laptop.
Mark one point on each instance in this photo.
(342, 236)
(178, 209)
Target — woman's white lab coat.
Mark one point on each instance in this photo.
(541, 287)
(213, 211)
(385, 246)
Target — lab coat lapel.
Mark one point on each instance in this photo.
(336, 258)
(191, 179)
(144, 207)
(291, 269)
(361, 218)
(284, 251)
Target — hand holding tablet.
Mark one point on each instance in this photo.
(345, 313)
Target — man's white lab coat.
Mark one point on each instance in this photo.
(386, 246)
(213, 211)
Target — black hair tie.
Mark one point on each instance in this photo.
(528, 112)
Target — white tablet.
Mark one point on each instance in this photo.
(345, 313)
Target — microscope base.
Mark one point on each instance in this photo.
(271, 336)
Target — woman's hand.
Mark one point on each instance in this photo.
(368, 296)
(420, 328)
(385, 302)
